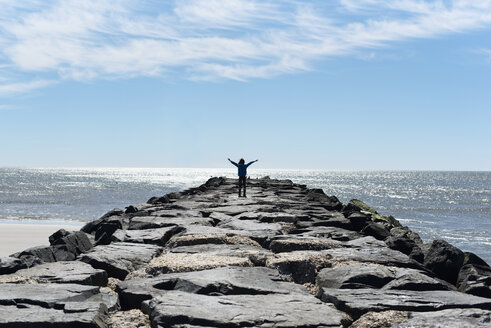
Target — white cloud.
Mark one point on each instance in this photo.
(210, 39)
(22, 87)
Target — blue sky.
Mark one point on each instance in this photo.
(342, 84)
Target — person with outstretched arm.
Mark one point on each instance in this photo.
(242, 173)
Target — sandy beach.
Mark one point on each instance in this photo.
(15, 237)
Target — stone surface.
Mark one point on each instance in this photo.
(452, 318)
(377, 230)
(273, 310)
(289, 244)
(11, 264)
(359, 301)
(475, 279)
(119, 259)
(444, 260)
(152, 222)
(224, 281)
(62, 272)
(54, 305)
(157, 236)
(352, 275)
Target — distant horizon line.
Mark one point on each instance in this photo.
(230, 168)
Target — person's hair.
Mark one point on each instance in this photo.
(241, 161)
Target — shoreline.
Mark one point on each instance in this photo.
(16, 236)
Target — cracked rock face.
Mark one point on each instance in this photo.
(285, 256)
(273, 310)
(62, 305)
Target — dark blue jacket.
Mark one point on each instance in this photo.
(242, 168)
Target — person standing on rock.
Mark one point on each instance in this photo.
(242, 173)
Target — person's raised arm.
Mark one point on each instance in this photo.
(252, 162)
(233, 162)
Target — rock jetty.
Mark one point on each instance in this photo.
(286, 256)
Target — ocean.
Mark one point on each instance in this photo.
(455, 206)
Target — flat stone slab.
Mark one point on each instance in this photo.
(252, 226)
(359, 301)
(70, 272)
(157, 236)
(329, 232)
(378, 255)
(452, 318)
(11, 264)
(224, 280)
(54, 305)
(119, 259)
(370, 275)
(151, 222)
(274, 310)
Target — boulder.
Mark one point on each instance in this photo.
(444, 260)
(377, 255)
(152, 222)
(223, 281)
(331, 203)
(359, 301)
(272, 310)
(119, 259)
(451, 318)
(12, 264)
(73, 272)
(405, 232)
(359, 220)
(157, 236)
(76, 242)
(54, 305)
(377, 230)
(406, 246)
(475, 279)
(112, 216)
(356, 205)
(355, 275)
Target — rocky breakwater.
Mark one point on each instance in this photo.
(286, 256)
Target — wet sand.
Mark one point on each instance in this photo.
(16, 237)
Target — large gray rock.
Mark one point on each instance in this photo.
(355, 275)
(335, 233)
(152, 222)
(359, 301)
(11, 264)
(272, 310)
(378, 255)
(370, 275)
(451, 318)
(157, 236)
(119, 259)
(444, 260)
(73, 272)
(475, 279)
(54, 305)
(225, 280)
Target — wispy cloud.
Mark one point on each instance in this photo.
(23, 87)
(210, 39)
